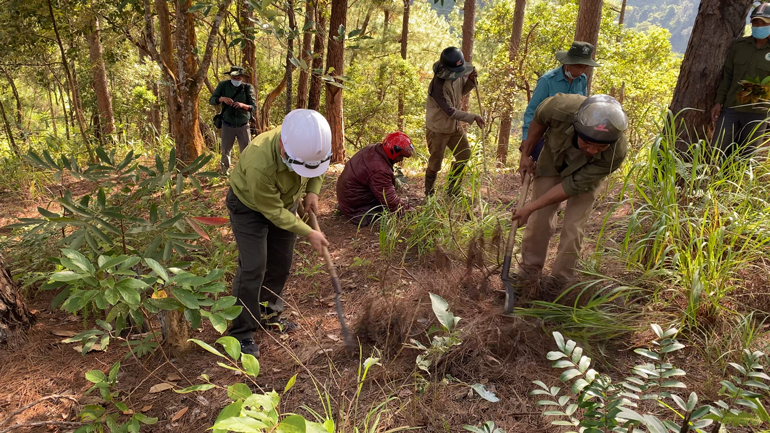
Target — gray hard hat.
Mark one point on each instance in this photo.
(600, 119)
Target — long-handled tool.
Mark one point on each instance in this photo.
(509, 291)
(350, 343)
(483, 133)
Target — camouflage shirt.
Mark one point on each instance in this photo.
(745, 61)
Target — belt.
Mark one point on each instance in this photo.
(234, 126)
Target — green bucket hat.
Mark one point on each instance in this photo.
(580, 53)
(236, 71)
(442, 72)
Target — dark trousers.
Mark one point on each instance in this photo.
(265, 253)
(739, 131)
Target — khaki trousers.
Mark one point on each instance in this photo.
(541, 226)
(438, 143)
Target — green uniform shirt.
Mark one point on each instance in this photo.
(234, 116)
(744, 61)
(560, 157)
(264, 183)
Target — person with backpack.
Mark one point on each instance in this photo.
(238, 105)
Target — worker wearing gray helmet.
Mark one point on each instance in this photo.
(584, 143)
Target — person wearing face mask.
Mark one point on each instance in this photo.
(568, 78)
(584, 143)
(272, 175)
(367, 184)
(239, 104)
(453, 78)
(739, 125)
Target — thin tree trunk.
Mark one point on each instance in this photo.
(70, 80)
(385, 21)
(250, 58)
(19, 112)
(504, 135)
(314, 96)
(622, 17)
(14, 314)
(269, 99)
(404, 46)
(364, 26)
(60, 87)
(101, 89)
(290, 54)
(334, 66)
(589, 20)
(53, 111)
(469, 31)
(306, 55)
(717, 25)
(9, 133)
(166, 52)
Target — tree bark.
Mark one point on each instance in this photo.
(14, 314)
(717, 25)
(334, 67)
(9, 131)
(622, 17)
(19, 112)
(469, 32)
(250, 58)
(166, 50)
(385, 21)
(404, 46)
(504, 135)
(306, 55)
(314, 96)
(289, 54)
(72, 85)
(587, 28)
(52, 110)
(269, 99)
(101, 89)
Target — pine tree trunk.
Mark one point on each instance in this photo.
(335, 67)
(622, 17)
(306, 55)
(289, 55)
(166, 50)
(504, 135)
(53, 111)
(14, 314)
(9, 131)
(250, 58)
(469, 33)
(717, 25)
(19, 112)
(404, 46)
(587, 29)
(314, 96)
(103, 99)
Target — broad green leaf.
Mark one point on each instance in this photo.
(238, 390)
(250, 364)
(232, 346)
(240, 424)
(201, 387)
(441, 310)
(290, 384)
(218, 322)
(186, 297)
(482, 391)
(569, 375)
(207, 347)
(648, 353)
(96, 376)
(559, 340)
(157, 268)
(291, 424)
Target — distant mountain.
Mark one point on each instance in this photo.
(677, 16)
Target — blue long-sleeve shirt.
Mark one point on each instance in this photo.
(551, 83)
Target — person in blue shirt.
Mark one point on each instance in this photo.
(568, 78)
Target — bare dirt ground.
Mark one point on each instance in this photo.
(385, 302)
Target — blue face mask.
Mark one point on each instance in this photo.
(236, 83)
(760, 32)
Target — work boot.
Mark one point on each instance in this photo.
(281, 326)
(249, 346)
(430, 181)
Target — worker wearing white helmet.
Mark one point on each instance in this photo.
(277, 169)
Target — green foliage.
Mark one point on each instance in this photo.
(98, 416)
(487, 427)
(446, 336)
(596, 404)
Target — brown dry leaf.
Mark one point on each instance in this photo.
(179, 414)
(165, 386)
(128, 412)
(333, 337)
(173, 377)
(146, 408)
(95, 348)
(64, 333)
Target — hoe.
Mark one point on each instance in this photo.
(509, 290)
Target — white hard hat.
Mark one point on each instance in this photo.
(307, 141)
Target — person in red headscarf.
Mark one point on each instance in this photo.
(367, 184)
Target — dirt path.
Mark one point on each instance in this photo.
(391, 298)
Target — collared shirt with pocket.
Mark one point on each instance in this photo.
(744, 61)
(263, 182)
(551, 83)
(579, 172)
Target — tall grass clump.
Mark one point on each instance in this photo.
(697, 222)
